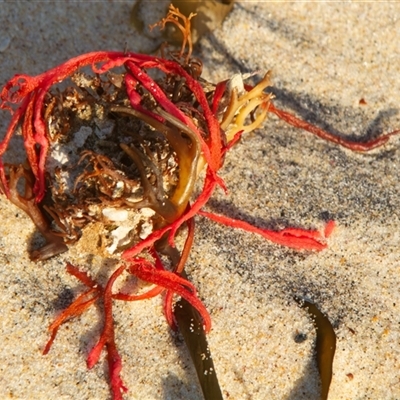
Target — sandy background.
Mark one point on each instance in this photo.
(324, 58)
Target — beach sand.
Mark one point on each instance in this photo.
(324, 58)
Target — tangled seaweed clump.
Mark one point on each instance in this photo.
(120, 139)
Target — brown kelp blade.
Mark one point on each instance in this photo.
(325, 345)
(191, 327)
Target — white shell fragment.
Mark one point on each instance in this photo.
(120, 235)
(236, 82)
(115, 214)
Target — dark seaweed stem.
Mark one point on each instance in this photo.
(191, 326)
(325, 344)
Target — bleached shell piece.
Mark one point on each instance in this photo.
(147, 212)
(147, 229)
(120, 236)
(118, 190)
(59, 156)
(236, 82)
(115, 214)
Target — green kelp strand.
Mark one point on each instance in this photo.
(191, 327)
(325, 345)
